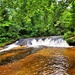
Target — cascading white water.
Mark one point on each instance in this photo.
(54, 41)
(48, 42)
(9, 47)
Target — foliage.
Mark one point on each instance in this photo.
(35, 18)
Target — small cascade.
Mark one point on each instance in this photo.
(9, 47)
(54, 41)
(50, 42)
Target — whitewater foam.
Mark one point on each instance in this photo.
(54, 41)
(9, 47)
(50, 42)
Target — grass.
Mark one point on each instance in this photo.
(5, 43)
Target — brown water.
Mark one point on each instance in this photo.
(42, 61)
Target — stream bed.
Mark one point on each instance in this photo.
(38, 61)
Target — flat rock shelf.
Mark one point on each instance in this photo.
(38, 61)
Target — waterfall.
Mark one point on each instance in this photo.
(9, 47)
(49, 42)
(54, 41)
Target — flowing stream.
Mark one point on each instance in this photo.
(54, 41)
(38, 56)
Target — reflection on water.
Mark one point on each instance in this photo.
(59, 64)
(40, 61)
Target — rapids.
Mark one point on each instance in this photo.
(54, 41)
(38, 56)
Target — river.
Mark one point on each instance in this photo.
(38, 61)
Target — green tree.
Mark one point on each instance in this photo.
(35, 18)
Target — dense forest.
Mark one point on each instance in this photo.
(37, 18)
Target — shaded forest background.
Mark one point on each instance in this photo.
(36, 18)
